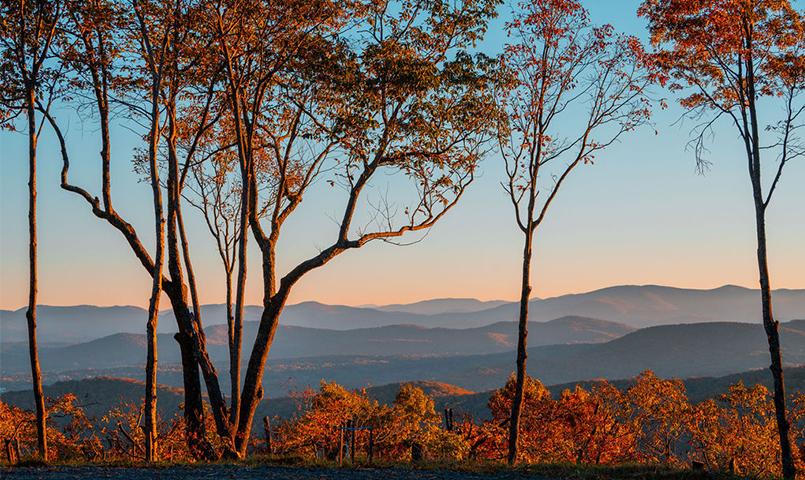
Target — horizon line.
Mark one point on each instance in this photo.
(376, 306)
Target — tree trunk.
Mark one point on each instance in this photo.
(33, 285)
(773, 336)
(235, 336)
(236, 341)
(195, 429)
(522, 354)
(769, 324)
(253, 383)
(150, 424)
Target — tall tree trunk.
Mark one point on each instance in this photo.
(773, 337)
(769, 324)
(150, 424)
(522, 353)
(191, 322)
(33, 286)
(253, 383)
(236, 340)
(234, 351)
(195, 429)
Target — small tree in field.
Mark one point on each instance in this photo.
(729, 57)
(573, 90)
(27, 32)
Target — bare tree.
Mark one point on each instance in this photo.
(727, 57)
(571, 91)
(28, 29)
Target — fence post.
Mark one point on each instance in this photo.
(341, 444)
(267, 428)
(352, 442)
(448, 419)
(371, 444)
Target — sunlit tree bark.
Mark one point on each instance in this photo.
(28, 29)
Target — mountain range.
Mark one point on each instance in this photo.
(635, 306)
(122, 349)
(685, 350)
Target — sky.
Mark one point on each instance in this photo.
(639, 215)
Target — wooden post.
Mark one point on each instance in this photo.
(341, 445)
(352, 443)
(371, 444)
(17, 447)
(267, 428)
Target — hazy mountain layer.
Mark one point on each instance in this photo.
(693, 350)
(125, 349)
(637, 306)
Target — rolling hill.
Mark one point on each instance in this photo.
(687, 350)
(124, 349)
(636, 306)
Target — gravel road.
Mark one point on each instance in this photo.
(224, 472)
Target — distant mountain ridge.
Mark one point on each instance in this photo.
(438, 306)
(633, 305)
(123, 349)
(685, 350)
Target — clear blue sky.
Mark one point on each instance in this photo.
(639, 215)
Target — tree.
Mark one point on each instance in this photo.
(99, 51)
(155, 44)
(540, 442)
(661, 409)
(27, 35)
(727, 57)
(736, 432)
(596, 425)
(215, 190)
(572, 90)
(395, 95)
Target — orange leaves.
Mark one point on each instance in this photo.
(410, 420)
(717, 48)
(737, 431)
(70, 434)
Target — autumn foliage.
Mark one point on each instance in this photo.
(650, 421)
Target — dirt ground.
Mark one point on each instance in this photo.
(225, 472)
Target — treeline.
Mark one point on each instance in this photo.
(650, 422)
(243, 108)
